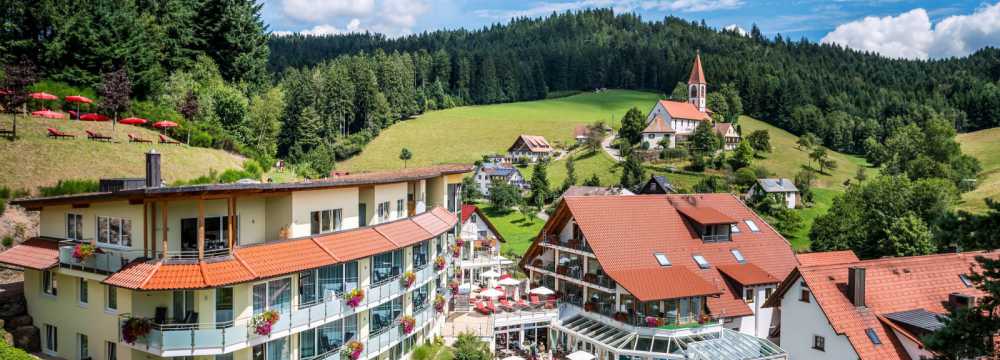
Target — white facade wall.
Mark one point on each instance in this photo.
(472, 227)
(916, 351)
(654, 140)
(800, 321)
(305, 202)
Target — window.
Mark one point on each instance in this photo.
(734, 229)
(315, 343)
(383, 211)
(228, 356)
(51, 339)
(273, 295)
(183, 305)
(819, 343)
(83, 348)
(49, 285)
(873, 336)
(216, 235)
(74, 226)
(362, 214)
(748, 295)
(420, 255)
(738, 255)
(420, 296)
(326, 282)
(325, 221)
(384, 316)
(965, 280)
(399, 208)
(114, 231)
(111, 300)
(474, 218)
(662, 259)
(768, 292)
(112, 350)
(804, 296)
(84, 295)
(702, 263)
(752, 225)
(223, 305)
(386, 266)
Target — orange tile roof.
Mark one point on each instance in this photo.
(697, 75)
(827, 258)
(658, 126)
(705, 215)
(625, 232)
(891, 285)
(684, 110)
(747, 274)
(535, 143)
(636, 282)
(272, 259)
(35, 253)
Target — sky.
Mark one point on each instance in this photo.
(909, 29)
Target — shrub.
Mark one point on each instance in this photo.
(69, 187)
(8, 352)
(8, 241)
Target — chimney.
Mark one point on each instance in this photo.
(153, 176)
(856, 285)
(959, 301)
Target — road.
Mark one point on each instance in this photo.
(608, 148)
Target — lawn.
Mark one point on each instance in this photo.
(459, 135)
(516, 230)
(786, 159)
(34, 160)
(586, 164)
(822, 200)
(985, 146)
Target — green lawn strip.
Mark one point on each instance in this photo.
(516, 231)
(822, 200)
(985, 146)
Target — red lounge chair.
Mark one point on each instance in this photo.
(136, 139)
(53, 133)
(73, 115)
(522, 303)
(97, 136)
(490, 306)
(482, 308)
(166, 140)
(534, 300)
(506, 305)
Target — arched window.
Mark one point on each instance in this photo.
(694, 92)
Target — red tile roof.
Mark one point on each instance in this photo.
(684, 110)
(827, 258)
(891, 285)
(272, 259)
(626, 231)
(535, 143)
(704, 215)
(658, 126)
(35, 253)
(467, 211)
(747, 274)
(581, 131)
(697, 75)
(722, 128)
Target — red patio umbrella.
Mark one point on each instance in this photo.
(47, 114)
(132, 121)
(78, 100)
(94, 117)
(43, 96)
(164, 124)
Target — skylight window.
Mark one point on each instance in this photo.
(739, 256)
(702, 263)
(662, 259)
(752, 225)
(734, 229)
(873, 336)
(965, 280)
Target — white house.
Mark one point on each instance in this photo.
(487, 173)
(480, 242)
(731, 138)
(782, 189)
(531, 147)
(834, 306)
(675, 121)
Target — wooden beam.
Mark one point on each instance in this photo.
(165, 227)
(231, 227)
(201, 229)
(145, 229)
(152, 228)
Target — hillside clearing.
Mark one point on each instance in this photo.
(985, 146)
(465, 134)
(34, 160)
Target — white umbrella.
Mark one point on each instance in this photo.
(580, 355)
(541, 290)
(491, 293)
(513, 357)
(509, 282)
(490, 274)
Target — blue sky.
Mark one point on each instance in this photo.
(896, 28)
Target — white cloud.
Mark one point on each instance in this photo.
(317, 10)
(548, 7)
(400, 15)
(911, 34)
(691, 5)
(737, 29)
(326, 29)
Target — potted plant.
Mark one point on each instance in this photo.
(408, 279)
(439, 263)
(83, 251)
(704, 319)
(353, 349)
(454, 286)
(588, 306)
(135, 328)
(456, 251)
(439, 302)
(354, 297)
(652, 321)
(408, 323)
(262, 323)
(459, 242)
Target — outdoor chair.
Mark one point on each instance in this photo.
(481, 308)
(506, 305)
(132, 138)
(161, 315)
(490, 306)
(534, 300)
(166, 140)
(53, 133)
(523, 304)
(96, 136)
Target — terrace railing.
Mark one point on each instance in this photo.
(104, 260)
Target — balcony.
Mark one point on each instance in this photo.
(642, 324)
(574, 245)
(168, 339)
(386, 339)
(104, 260)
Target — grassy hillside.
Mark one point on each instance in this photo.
(985, 146)
(466, 133)
(587, 164)
(34, 160)
(786, 159)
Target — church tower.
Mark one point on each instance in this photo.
(696, 84)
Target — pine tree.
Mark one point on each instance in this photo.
(540, 192)
(235, 37)
(570, 173)
(593, 180)
(632, 172)
(632, 125)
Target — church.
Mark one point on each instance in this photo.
(671, 122)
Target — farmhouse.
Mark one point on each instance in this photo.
(657, 184)
(781, 189)
(531, 147)
(503, 172)
(480, 245)
(834, 306)
(730, 138)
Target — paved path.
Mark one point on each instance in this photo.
(613, 152)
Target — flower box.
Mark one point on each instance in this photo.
(135, 328)
(439, 302)
(408, 279)
(408, 323)
(83, 251)
(353, 349)
(354, 297)
(262, 323)
(439, 263)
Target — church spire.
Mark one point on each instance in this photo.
(697, 90)
(697, 75)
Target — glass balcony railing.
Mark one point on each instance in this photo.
(166, 338)
(103, 260)
(573, 243)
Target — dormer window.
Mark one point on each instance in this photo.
(662, 259)
(738, 255)
(752, 225)
(702, 263)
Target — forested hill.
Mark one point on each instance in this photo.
(789, 83)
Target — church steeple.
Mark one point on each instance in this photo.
(696, 84)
